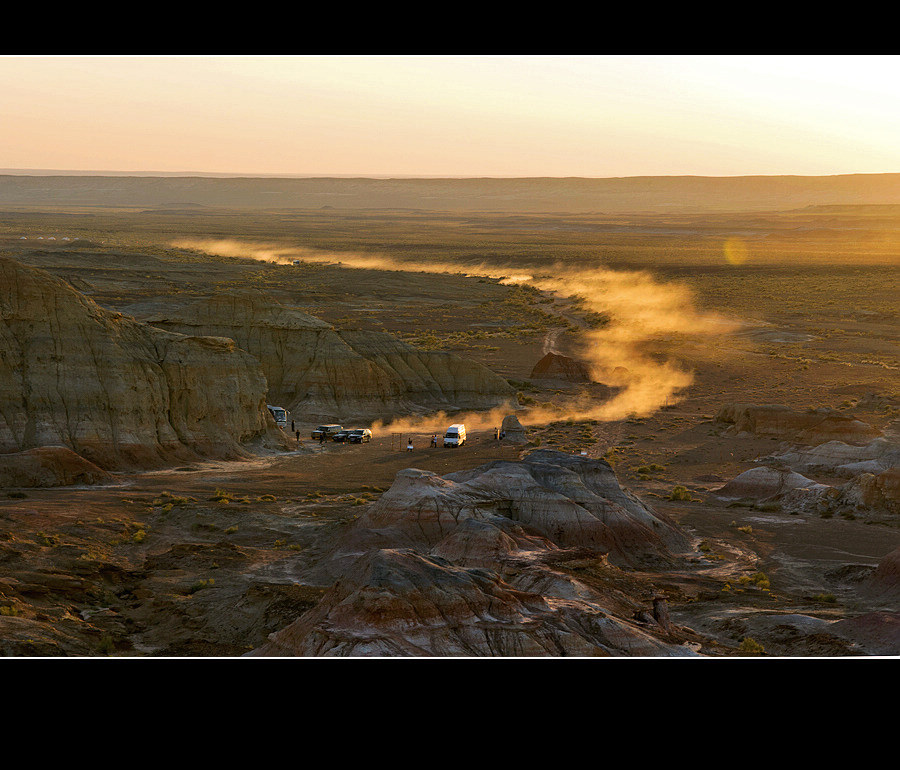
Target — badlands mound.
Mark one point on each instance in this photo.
(480, 563)
(555, 366)
(118, 392)
(867, 494)
(318, 372)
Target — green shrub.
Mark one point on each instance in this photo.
(748, 644)
(200, 585)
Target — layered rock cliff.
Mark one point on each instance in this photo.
(321, 373)
(118, 392)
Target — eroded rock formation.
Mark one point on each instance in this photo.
(513, 430)
(472, 564)
(840, 459)
(115, 391)
(812, 426)
(867, 493)
(321, 373)
(766, 483)
(48, 466)
(555, 366)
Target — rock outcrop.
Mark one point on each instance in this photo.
(322, 373)
(766, 483)
(401, 603)
(513, 430)
(884, 582)
(840, 459)
(812, 426)
(118, 392)
(49, 466)
(870, 491)
(474, 564)
(555, 366)
(865, 494)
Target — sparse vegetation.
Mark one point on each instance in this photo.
(200, 585)
(758, 579)
(795, 279)
(750, 645)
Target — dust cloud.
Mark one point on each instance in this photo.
(640, 310)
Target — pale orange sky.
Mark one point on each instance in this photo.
(593, 116)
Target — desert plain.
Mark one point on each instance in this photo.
(698, 392)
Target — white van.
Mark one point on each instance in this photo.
(280, 415)
(455, 435)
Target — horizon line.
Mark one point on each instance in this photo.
(270, 175)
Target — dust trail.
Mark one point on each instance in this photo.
(640, 309)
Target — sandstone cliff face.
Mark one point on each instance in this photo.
(320, 373)
(118, 392)
(471, 564)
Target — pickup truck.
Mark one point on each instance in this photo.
(326, 430)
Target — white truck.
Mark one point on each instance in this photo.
(455, 435)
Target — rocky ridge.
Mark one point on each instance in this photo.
(319, 372)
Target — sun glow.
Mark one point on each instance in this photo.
(593, 116)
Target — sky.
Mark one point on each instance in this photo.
(473, 115)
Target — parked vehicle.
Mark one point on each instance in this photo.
(455, 435)
(359, 436)
(326, 430)
(280, 415)
(340, 436)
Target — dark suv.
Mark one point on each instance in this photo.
(340, 436)
(326, 430)
(359, 436)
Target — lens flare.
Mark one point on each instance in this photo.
(736, 251)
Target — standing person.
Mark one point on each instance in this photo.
(298, 437)
(294, 429)
(409, 445)
(434, 441)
